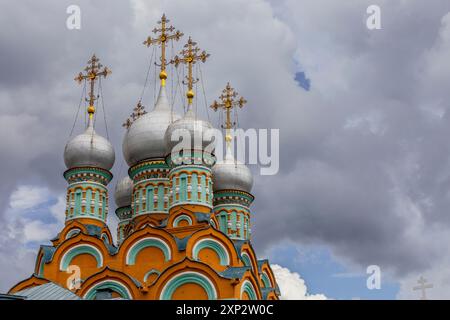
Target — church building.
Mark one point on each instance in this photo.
(184, 228)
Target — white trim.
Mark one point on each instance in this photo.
(105, 281)
(127, 257)
(77, 246)
(213, 240)
(185, 273)
(243, 285)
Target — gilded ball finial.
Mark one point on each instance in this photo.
(91, 109)
(163, 75)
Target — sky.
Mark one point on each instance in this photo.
(363, 116)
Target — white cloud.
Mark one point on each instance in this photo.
(36, 230)
(27, 197)
(293, 287)
(58, 209)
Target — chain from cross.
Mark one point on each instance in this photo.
(164, 36)
(93, 72)
(228, 102)
(189, 56)
(138, 112)
(422, 287)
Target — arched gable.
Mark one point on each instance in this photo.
(80, 249)
(113, 280)
(180, 218)
(132, 252)
(248, 288)
(188, 277)
(267, 275)
(248, 250)
(113, 285)
(213, 244)
(218, 241)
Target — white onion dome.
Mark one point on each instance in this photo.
(123, 191)
(231, 174)
(198, 130)
(89, 150)
(144, 139)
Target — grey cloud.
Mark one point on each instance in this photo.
(364, 157)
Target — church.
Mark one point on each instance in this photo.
(184, 228)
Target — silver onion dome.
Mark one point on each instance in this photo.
(196, 131)
(231, 174)
(123, 191)
(89, 150)
(144, 139)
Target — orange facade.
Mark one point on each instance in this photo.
(215, 271)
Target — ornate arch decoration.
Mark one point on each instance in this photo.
(247, 287)
(188, 277)
(113, 285)
(266, 274)
(151, 272)
(248, 249)
(266, 280)
(246, 259)
(215, 245)
(80, 249)
(213, 223)
(217, 235)
(72, 232)
(104, 237)
(182, 217)
(130, 258)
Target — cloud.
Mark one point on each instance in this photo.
(292, 287)
(364, 157)
(28, 197)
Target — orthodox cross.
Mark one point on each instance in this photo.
(138, 112)
(423, 286)
(165, 35)
(228, 102)
(189, 56)
(93, 72)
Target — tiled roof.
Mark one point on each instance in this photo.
(181, 243)
(261, 263)
(47, 252)
(234, 272)
(202, 217)
(47, 291)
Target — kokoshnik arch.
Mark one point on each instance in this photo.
(184, 230)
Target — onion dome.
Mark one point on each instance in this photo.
(89, 150)
(144, 139)
(189, 126)
(231, 174)
(123, 191)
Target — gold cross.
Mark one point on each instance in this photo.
(138, 112)
(190, 55)
(92, 73)
(229, 101)
(161, 40)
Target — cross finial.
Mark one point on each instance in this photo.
(189, 56)
(164, 36)
(92, 72)
(422, 287)
(138, 112)
(228, 102)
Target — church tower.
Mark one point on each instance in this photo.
(190, 147)
(144, 147)
(232, 179)
(88, 158)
